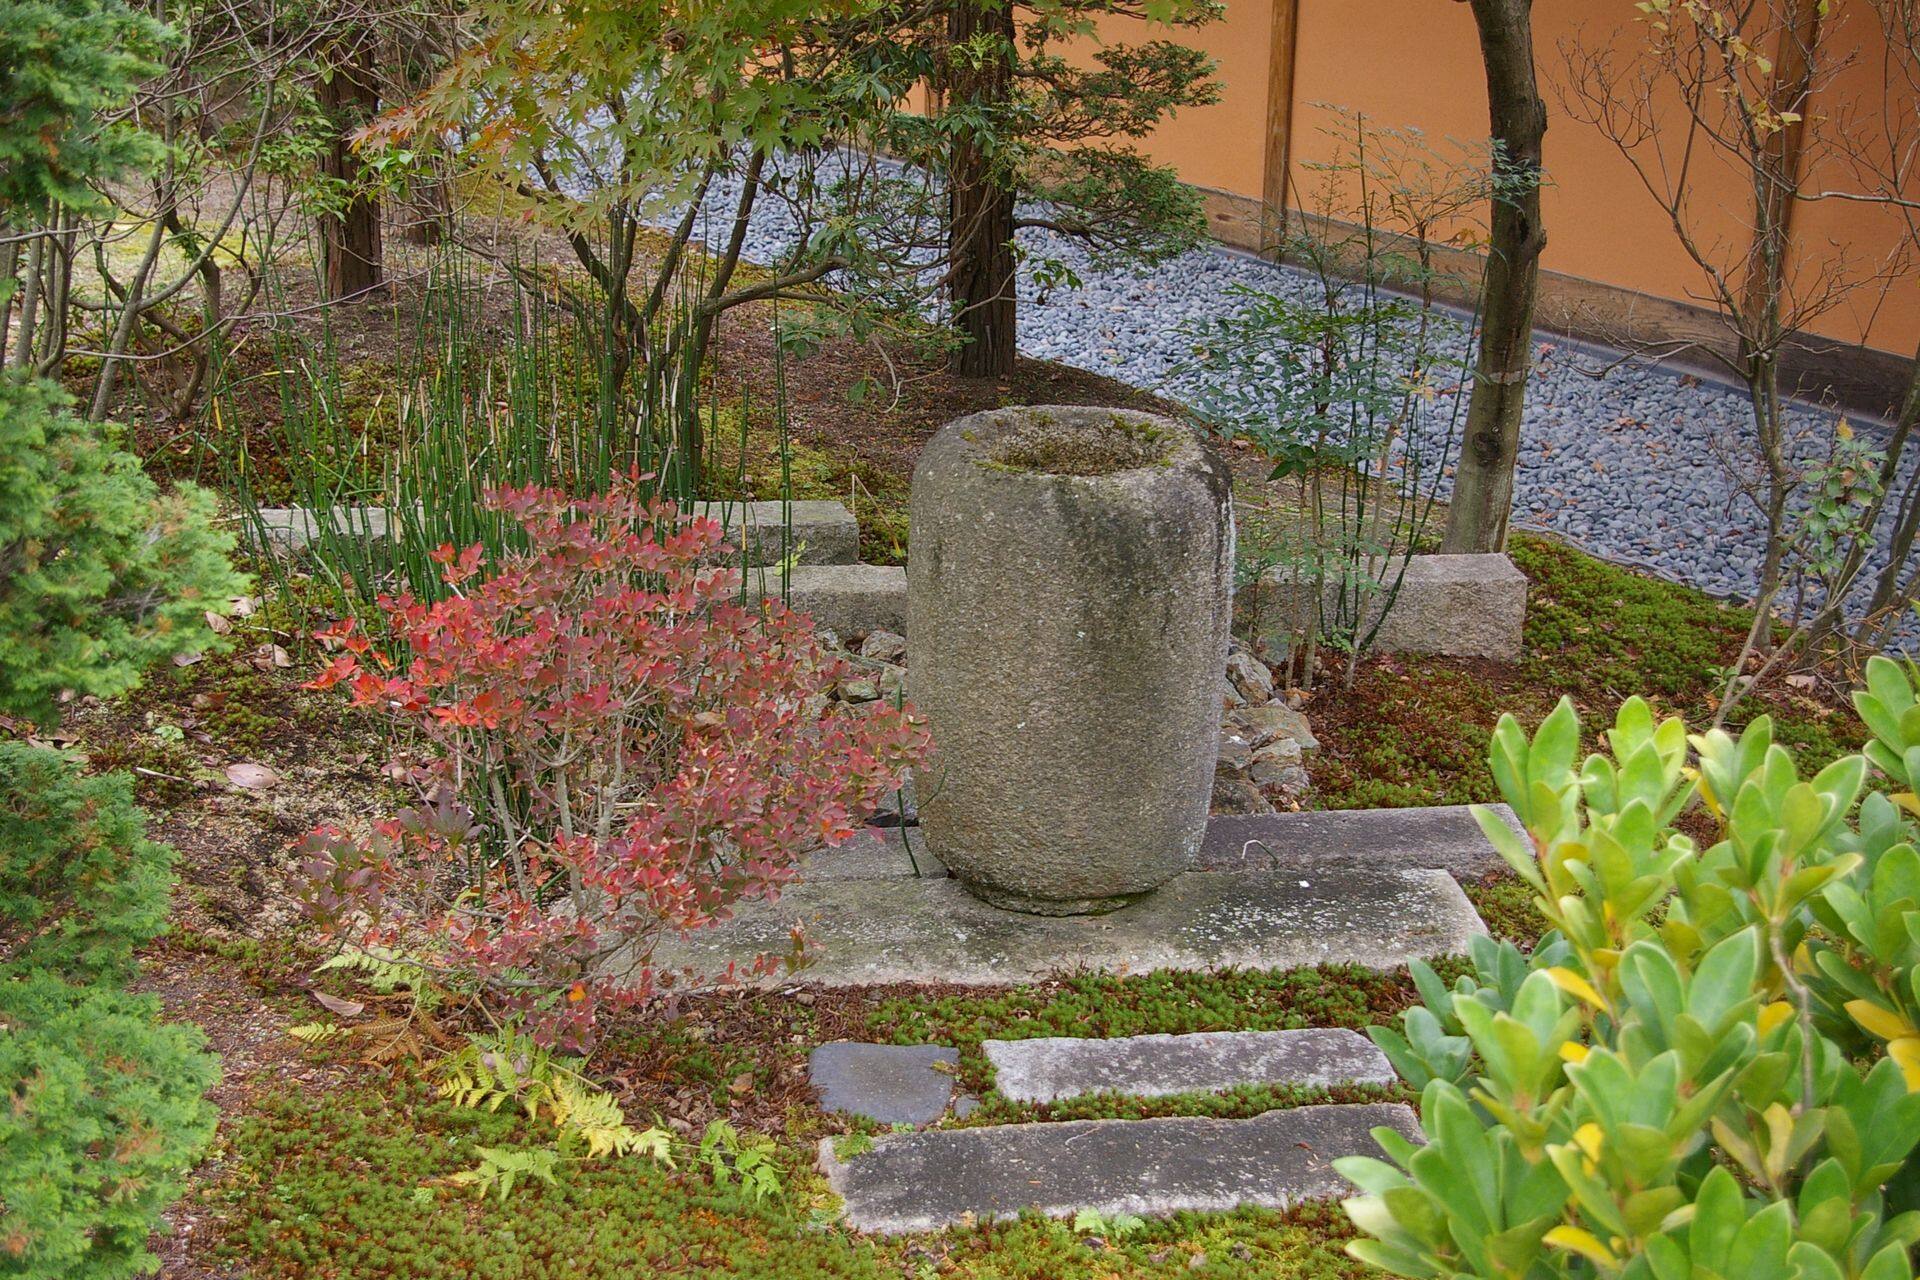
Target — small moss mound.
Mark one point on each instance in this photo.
(1043, 443)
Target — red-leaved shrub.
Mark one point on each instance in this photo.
(624, 752)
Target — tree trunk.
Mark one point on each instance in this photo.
(980, 197)
(1889, 591)
(350, 231)
(1483, 481)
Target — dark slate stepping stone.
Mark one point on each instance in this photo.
(891, 1083)
(1054, 1067)
(940, 1177)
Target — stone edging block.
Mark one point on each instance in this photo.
(1469, 606)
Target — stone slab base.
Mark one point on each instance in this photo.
(872, 931)
(1049, 1068)
(941, 1177)
(823, 531)
(1470, 606)
(875, 853)
(1444, 836)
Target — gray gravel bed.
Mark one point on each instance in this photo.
(1635, 463)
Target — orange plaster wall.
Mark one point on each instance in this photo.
(1417, 63)
(1845, 238)
(1220, 146)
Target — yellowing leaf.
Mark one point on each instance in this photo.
(1573, 1051)
(1590, 1139)
(1906, 1052)
(1575, 985)
(1584, 1243)
(1880, 1020)
(1774, 1014)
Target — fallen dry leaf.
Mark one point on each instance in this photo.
(345, 1008)
(254, 777)
(217, 623)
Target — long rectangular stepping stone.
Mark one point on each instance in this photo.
(823, 532)
(941, 1177)
(900, 929)
(1049, 1068)
(1444, 836)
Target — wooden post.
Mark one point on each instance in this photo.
(1273, 192)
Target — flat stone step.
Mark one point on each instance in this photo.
(848, 599)
(940, 1177)
(823, 532)
(1048, 1068)
(1444, 836)
(890, 1083)
(875, 853)
(901, 929)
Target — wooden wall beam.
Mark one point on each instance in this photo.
(1283, 43)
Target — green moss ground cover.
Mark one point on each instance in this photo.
(1414, 731)
(353, 1183)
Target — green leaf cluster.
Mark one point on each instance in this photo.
(1708, 1067)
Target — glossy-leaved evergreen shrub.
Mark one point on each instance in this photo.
(1710, 1066)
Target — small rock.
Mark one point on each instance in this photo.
(1236, 749)
(859, 688)
(1229, 696)
(1277, 720)
(1280, 751)
(254, 777)
(1290, 780)
(1232, 793)
(884, 646)
(829, 639)
(1250, 677)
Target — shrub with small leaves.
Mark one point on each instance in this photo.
(104, 1111)
(80, 884)
(101, 575)
(105, 1114)
(626, 751)
(1707, 1067)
